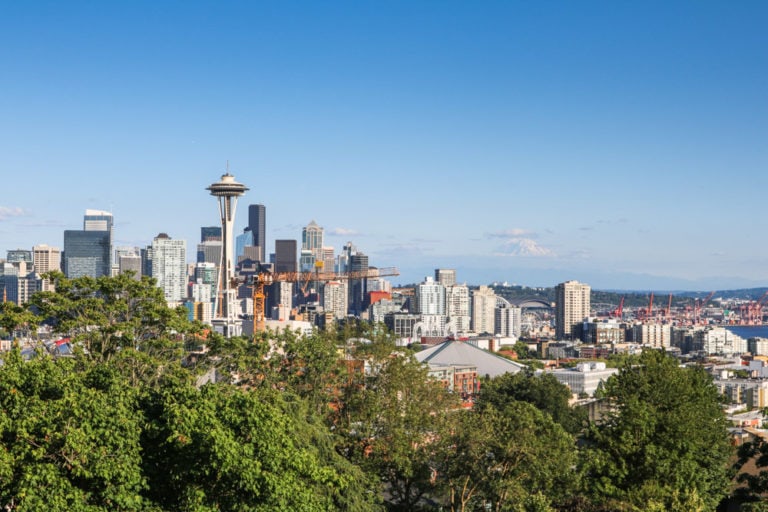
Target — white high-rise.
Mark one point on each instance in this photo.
(430, 298)
(169, 267)
(572, 306)
(335, 299)
(457, 306)
(484, 310)
(509, 321)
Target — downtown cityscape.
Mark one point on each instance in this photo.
(387, 257)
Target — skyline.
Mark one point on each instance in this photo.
(619, 145)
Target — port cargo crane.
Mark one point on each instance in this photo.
(698, 307)
(263, 279)
(752, 313)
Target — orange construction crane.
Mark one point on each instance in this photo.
(263, 279)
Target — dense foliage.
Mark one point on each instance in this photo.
(153, 412)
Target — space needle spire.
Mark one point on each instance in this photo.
(226, 191)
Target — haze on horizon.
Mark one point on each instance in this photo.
(620, 144)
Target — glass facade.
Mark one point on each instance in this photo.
(87, 253)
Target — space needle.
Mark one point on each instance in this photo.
(225, 318)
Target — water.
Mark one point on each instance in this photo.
(749, 331)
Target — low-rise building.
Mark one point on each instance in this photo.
(585, 377)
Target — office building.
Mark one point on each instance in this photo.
(484, 310)
(312, 239)
(243, 240)
(87, 253)
(358, 288)
(445, 276)
(572, 305)
(46, 259)
(257, 224)
(169, 266)
(210, 234)
(18, 255)
(100, 220)
(285, 255)
(209, 252)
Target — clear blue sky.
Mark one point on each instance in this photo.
(624, 144)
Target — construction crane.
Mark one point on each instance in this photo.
(619, 311)
(698, 307)
(667, 312)
(263, 279)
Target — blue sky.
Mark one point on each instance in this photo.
(624, 144)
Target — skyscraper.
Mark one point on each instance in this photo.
(46, 259)
(17, 255)
(483, 310)
(210, 234)
(87, 253)
(257, 223)
(358, 288)
(445, 276)
(457, 306)
(100, 220)
(285, 255)
(169, 266)
(572, 305)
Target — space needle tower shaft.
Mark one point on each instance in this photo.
(226, 191)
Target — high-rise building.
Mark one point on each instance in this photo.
(128, 259)
(46, 259)
(457, 306)
(445, 276)
(209, 252)
(311, 246)
(210, 234)
(429, 298)
(87, 253)
(358, 288)
(169, 266)
(572, 306)
(335, 299)
(312, 239)
(243, 240)
(285, 255)
(483, 310)
(17, 255)
(257, 223)
(509, 321)
(98, 220)
(226, 191)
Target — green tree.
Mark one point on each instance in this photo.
(516, 459)
(13, 317)
(543, 391)
(69, 437)
(664, 443)
(108, 314)
(392, 420)
(228, 449)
